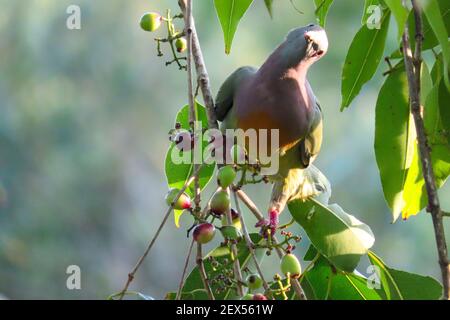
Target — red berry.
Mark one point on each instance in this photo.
(259, 296)
(204, 233)
(183, 202)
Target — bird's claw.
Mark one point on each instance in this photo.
(268, 224)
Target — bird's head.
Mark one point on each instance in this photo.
(308, 44)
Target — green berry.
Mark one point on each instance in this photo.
(220, 203)
(183, 202)
(151, 21)
(204, 233)
(290, 264)
(254, 281)
(181, 44)
(226, 176)
(230, 232)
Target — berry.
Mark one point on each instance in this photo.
(183, 202)
(204, 233)
(151, 21)
(254, 281)
(248, 296)
(230, 232)
(181, 44)
(235, 219)
(220, 203)
(225, 176)
(290, 264)
(259, 296)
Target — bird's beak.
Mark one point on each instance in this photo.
(318, 41)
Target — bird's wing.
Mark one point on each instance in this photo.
(225, 96)
(310, 146)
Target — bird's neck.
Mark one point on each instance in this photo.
(285, 62)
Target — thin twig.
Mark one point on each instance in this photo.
(249, 243)
(412, 67)
(158, 231)
(203, 275)
(183, 276)
(254, 209)
(202, 73)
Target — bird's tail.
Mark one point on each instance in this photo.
(300, 184)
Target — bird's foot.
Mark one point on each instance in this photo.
(269, 224)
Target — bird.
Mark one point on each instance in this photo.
(278, 96)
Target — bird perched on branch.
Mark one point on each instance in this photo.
(279, 96)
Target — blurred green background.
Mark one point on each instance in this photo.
(84, 116)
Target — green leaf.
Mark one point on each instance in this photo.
(338, 236)
(269, 6)
(400, 14)
(401, 285)
(394, 138)
(322, 7)
(444, 106)
(178, 173)
(339, 285)
(415, 194)
(435, 19)
(194, 282)
(363, 58)
(230, 12)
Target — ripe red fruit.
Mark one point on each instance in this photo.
(259, 296)
(204, 233)
(220, 203)
(183, 202)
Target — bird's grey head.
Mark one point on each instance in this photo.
(308, 43)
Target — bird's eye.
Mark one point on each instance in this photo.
(311, 25)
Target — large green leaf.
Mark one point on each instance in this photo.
(435, 19)
(394, 138)
(178, 173)
(322, 7)
(363, 58)
(194, 282)
(323, 282)
(415, 194)
(338, 236)
(400, 13)
(230, 12)
(401, 285)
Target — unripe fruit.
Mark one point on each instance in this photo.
(204, 233)
(248, 296)
(183, 202)
(226, 176)
(220, 203)
(230, 232)
(254, 281)
(151, 21)
(237, 154)
(259, 296)
(181, 44)
(290, 264)
(235, 219)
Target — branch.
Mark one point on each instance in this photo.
(412, 67)
(183, 276)
(158, 231)
(201, 269)
(254, 209)
(249, 243)
(202, 73)
(236, 264)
